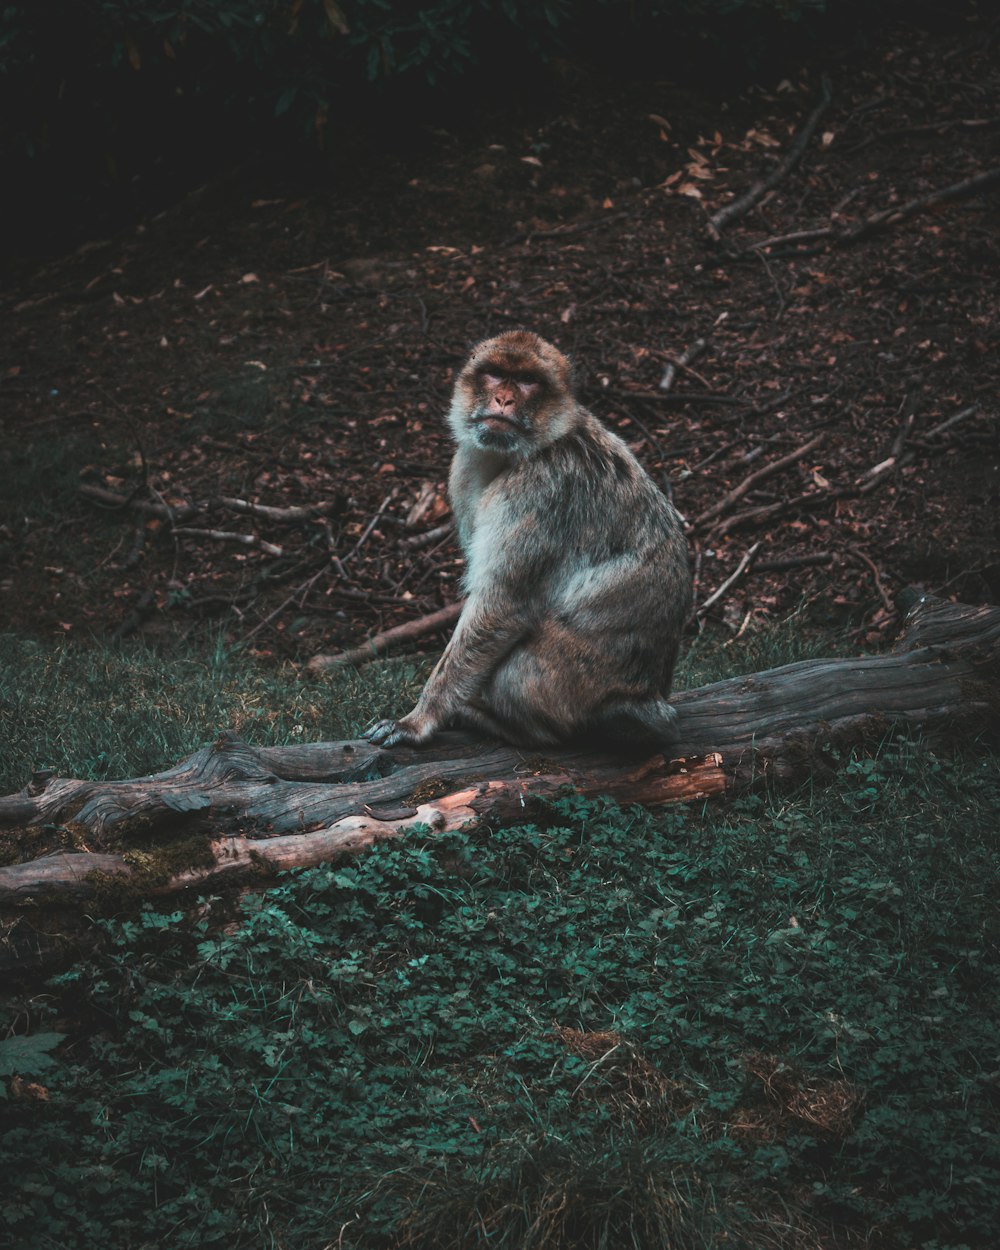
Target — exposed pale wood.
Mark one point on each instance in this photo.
(81, 875)
(279, 807)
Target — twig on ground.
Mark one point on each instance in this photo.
(872, 477)
(934, 431)
(719, 451)
(111, 499)
(882, 593)
(391, 637)
(683, 361)
(734, 577)
(299, 592)
(230, 536)
(782, 302)
(869, 481)
(742, 629)
(794, 236)
(742, 204)
(881, 136)
(429, 537)
(754, 410)
(838, 237)
(305, 512)
(366, 532)
(740, 490)
(975, 185)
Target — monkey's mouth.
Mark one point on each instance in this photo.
(500, 425)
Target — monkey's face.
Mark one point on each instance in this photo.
(513, 395)
(506, 402)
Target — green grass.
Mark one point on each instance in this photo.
(771, 1023)
(107, 713)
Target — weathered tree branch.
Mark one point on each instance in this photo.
(742, 205)
(839, 236)
(232, 808)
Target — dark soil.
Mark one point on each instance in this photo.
(290, 348)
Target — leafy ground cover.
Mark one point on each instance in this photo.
(771, 1024)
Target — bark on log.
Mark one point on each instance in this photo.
(231, 808)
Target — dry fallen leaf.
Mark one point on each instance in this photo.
(28, 1090)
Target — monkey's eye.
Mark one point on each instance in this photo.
(527, 386)
(491, 379)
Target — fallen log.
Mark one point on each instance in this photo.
(232, 809)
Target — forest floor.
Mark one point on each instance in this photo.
(256, 348)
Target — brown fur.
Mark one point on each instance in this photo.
(576, 567)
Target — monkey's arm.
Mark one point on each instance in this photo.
(486, 632)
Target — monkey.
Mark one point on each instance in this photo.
(577, 581)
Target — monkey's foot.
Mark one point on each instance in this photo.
(391, 733)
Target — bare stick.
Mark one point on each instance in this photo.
(427, 539)
(976, 185)
(230, 536)
(110, 499)
(890, 216)
(302, 591)
(369, 527)
(882, 594)
(795, 236)
(734, 577)
(686, 358)
(305, 512)
(738, 491)
(872, 477)
(767, 510)
(391, 637)
(742, 205)
(946, 425)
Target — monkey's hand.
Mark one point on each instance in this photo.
(412, 730)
